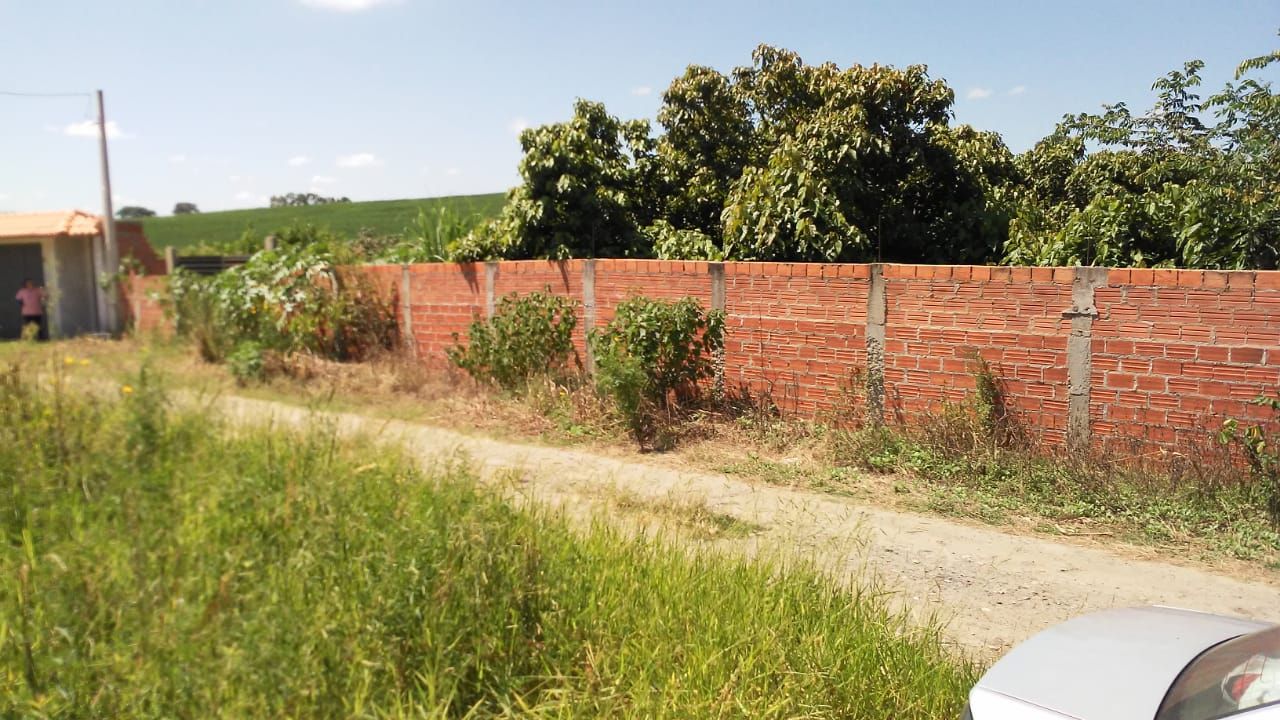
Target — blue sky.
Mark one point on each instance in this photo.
(225, 102)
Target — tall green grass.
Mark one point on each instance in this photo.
(382, 217)
(159, 564)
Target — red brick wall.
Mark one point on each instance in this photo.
(443, 300)
(143, 304)
(132, 242)
(617, 280)
(1175, 352)
(795, 332)
(939, 317)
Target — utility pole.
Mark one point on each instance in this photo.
(110, 253)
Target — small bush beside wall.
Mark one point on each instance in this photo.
(527, 336)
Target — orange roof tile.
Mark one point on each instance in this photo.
(49, 224)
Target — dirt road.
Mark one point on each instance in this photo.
(993, 588)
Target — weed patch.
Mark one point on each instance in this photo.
(159, 565)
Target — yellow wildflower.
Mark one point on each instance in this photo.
(127, 389)
(68, 360)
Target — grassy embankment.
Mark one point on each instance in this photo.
(157, 563)
(1202, 509)
(382, 217)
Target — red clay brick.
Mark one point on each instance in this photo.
(1249, 355)
(1267, 280)
(1215, 279)
(1142, 276)
(1190, 278)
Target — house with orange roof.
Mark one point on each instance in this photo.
(64, 253)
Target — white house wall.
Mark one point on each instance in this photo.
(77, 302)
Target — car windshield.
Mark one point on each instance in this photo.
(1231, 677)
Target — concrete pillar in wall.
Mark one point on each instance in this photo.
(718, 302)
(877, 314)
(589, 310)
(1080, 354)
(406, 312)
(490, 283)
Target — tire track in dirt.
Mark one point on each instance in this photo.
(992, 588)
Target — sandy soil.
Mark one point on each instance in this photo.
(992, 588)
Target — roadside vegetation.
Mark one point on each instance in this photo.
(519, 374)
(160, 563)
(260, 316)
(654, 381)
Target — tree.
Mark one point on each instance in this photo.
(861, 164)
(304, 200)
(707, 143)
(133, 212)
(1169, 187)
(582, 194)
(185, 208)
(780, 160)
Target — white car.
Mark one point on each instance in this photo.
(1151, 663)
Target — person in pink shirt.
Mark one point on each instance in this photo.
(31, 303)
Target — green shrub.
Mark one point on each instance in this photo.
(670, 243)
(246, 362)
(624, 381)
(1262, 450)
(674, 342)
(289, 300)
(528, 336)
(430, 236)
(652, 357)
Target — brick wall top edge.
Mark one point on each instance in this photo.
(695, 267)
(981, 273)
(1207, 279)
(520, 267)
(1141, 277)
(468, 269)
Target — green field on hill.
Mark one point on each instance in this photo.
(382, 217)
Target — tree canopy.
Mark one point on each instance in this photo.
(133, 212)
(304, 200)
(781, 160)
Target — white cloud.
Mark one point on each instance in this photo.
(641, 90)
(244, 195)
(519, 125)
(453, 171)
(4, 196)
(359, 160)
(323, 180)
(177, 159)
(299, 160)
(978, 94)
(89, 128)
(347, 6)
(233, 178)
(1017, 89)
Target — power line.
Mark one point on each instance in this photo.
(13, 93)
